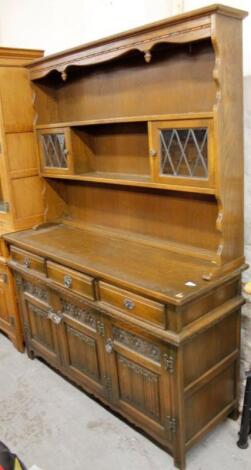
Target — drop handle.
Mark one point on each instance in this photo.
(129, 304)
(109, 346)
(67, 281)
(27, 262)
(56, 318)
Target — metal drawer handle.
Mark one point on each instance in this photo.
(27, 262)
(109, 346)
(55, 317)
(67, 281)
(129, 304)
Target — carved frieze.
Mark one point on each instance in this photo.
(37, 291)
(136, 343)
(86, 316)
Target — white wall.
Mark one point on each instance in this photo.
(243, 5)
(54, 25)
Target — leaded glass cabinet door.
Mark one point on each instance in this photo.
(55, 151)
(182, 152)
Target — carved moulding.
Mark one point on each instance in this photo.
(102, 51)
(139, 345)
(84, 315)
(36, 291)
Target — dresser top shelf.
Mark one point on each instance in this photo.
(154, 271)
(187, 27)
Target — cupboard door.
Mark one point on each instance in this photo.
(82, 345)
(4, 314)
(55, 150)
(141, 385)
(182, 153)
(41, 322)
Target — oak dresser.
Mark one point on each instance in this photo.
(132, 286)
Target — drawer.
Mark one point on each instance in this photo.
(28, 260)
(71, 280)
(135, 305)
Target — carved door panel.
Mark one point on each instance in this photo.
(141, 371)
(40, 321)
(82, 345)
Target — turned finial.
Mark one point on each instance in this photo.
(64, 76)
(148, 56)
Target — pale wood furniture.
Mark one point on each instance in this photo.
(132, 289)
(20, 186)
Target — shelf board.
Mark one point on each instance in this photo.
(150, 270)
(125, 179)
(125, 119)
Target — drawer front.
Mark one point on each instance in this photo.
(71, 280)
(133, 304)
(28, 260)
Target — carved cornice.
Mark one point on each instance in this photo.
(187, 27)
(10, 56)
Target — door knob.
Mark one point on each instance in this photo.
(153, 153)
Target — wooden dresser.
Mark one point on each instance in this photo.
(133, 287)
(20, 185)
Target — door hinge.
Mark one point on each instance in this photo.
(4, 278)
(171, 424)
(169, 363)
(12, 321)
(100, 328)
(4, 206)
(108, 386)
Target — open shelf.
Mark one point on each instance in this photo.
(142, 181)
(125, 119)
(121, 153)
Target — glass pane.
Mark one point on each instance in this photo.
(184, 152)
(55, 153)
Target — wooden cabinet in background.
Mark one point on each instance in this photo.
(20, 186)
(132, 288)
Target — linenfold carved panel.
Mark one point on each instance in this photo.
(139, 387)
